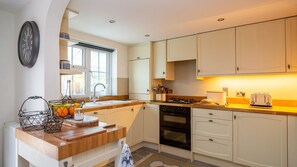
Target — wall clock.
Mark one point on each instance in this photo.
(28, 44)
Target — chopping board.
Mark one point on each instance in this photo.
(80, 133)
(87, 121)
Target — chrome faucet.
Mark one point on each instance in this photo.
(94, 98)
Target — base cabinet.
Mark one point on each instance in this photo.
(259, 140)
(151, 122)
(137, 125)
(292, 141)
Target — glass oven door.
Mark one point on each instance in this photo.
(171, 119)
(175, 137)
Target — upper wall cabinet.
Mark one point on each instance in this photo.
(162, 69)
(291, 44)
(139, 52)
(260, 48)
(180, 49)
(216, 53)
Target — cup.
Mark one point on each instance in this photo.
(78, 114)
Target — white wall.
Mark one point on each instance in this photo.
(7, 72)
(280, 86)
(43, 78)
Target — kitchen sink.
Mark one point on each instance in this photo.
(105, 103)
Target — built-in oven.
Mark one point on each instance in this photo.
(175, 126)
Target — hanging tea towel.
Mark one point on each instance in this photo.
(126, 159)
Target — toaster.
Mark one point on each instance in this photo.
(261, 99)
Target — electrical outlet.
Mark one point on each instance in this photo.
(240, 94)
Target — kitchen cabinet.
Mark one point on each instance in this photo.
(137, 125)
(139, 76)
(151, 128)
(291, 44)
(260, 48)
(259, 140)
(212, 133)
(162, 68)
(122, 116)
(216, 53)
(180, 49)
(139, 52)
(292, 141)
(100, 114)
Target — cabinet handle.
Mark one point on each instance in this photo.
(289, 66)
(163, 72)
(237, 68)
(147, 90)
(138, 57)
(210, 114)
(198, 70)
(210, 139)
(234, 116)
(144, 108)
(95, 112)
(132, 109)
(210, 120)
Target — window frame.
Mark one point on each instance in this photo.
(86, 68)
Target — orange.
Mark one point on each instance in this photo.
(71, 110)
(62, 112)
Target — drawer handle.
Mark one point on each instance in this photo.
(210, 139)
(95, 112)
(210, 114)
(210, 120)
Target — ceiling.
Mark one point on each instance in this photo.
(13, 5)
(164, 19)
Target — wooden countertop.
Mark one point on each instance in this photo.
(132, 103)
(60, 149)
(276, 110)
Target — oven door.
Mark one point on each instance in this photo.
(175, 137)
(177, 120)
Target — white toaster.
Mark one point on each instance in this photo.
(261, 99)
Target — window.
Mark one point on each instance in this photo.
(94, 63)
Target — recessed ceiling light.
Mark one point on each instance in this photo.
(147, 35)
(112, 21)
(221, 19)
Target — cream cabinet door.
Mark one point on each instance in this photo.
(291, 44)
(292, 141)
(139, 52)
(216, 53)
(151, 122)
(122, 116)
(139, 76)
(137, 125)
(260, 48)
(260, 140)
(213, 147)
(162, 68)
(180, 49)
(216, 128)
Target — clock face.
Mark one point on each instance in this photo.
(28, 44)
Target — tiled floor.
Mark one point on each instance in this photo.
(144, 151)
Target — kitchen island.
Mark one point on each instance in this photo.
(47, 150)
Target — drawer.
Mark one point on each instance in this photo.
(216, 128)
(213, 147)
(99, 114)
(215, 114)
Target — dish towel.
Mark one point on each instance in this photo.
(125, 159)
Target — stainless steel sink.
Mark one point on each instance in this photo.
(105, 103)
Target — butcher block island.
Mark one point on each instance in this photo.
(73, 146)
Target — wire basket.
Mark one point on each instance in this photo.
(53, 124)
(33, 120)
(65, 108)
